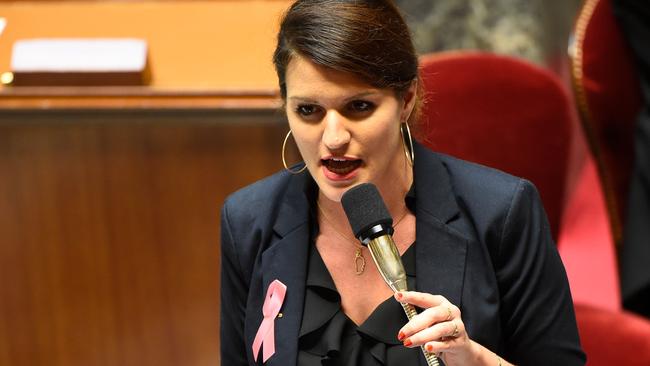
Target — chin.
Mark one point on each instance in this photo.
(333, 190)
(332, 193)
(335, 193)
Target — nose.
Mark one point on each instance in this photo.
(335, 133)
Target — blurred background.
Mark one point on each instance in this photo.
(110, 194)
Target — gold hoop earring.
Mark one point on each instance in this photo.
(284, 161)
(407, 143)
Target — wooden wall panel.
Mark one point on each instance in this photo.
(109, 231)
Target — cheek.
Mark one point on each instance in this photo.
(383, 136)
(383, 144)
(305, 137)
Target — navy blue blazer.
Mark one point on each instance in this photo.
(483, 242)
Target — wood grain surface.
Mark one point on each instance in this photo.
(109, 225)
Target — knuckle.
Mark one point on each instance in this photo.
(454, 309)
(461, 326)
(453, 327)
(443, 312)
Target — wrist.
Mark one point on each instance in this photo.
(478, 353)
(483, 356)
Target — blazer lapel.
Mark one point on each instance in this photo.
(286, 260)
(440, 251)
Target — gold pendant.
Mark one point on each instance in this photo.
(359, 261)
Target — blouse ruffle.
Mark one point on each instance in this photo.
(328, 337)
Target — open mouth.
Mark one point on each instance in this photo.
(341, 166)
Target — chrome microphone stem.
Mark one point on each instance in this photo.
(385, 255)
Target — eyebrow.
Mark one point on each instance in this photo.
(356, 96)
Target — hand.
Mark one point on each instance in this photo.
(439, 328)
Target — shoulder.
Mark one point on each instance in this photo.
(505, 211)
(260, 192)
(256, 202)
(491, 203)
(485, 187)
(247, 219)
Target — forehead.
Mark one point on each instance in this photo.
(305, 79)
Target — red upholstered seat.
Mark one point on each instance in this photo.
(512, 115)
(613, 337)
(609, 99)
(505, 113)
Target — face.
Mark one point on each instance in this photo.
(346, 130)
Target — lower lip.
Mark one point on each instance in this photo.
(338, 177)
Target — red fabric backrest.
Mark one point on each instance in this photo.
(612, 337)
(502, 112)
(609, 98)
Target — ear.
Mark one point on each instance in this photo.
(408, 101)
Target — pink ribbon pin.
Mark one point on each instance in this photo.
(266, 333)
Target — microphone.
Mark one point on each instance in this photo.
(373, 226)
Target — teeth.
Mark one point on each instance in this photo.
(338, 159)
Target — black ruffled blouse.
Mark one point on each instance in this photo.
(328, 337)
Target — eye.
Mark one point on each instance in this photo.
(306, 110)
(361, 106)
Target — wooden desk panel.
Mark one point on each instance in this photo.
(109, 231)
(203, 54)
(42, 98)
(193, 45)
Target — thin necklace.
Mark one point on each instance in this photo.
(359, 260)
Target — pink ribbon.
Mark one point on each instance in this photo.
(266, 333)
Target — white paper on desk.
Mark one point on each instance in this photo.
(79, 55)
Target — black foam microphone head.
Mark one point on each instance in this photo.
(366, 209)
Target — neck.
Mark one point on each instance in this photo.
(393, 198)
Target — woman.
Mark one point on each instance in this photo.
(474, 241)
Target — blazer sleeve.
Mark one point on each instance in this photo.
(234, 293)
(536, 306)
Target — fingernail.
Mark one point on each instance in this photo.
(401, 336)
(399, 296)
(408, 343)
(429, 348)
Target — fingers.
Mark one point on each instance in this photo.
(436, 347)
(439, 335)
(425, 319)
(425, 301)
(420, 299)
(437, 327)
(437, 309)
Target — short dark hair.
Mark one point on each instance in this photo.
(366, 38)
